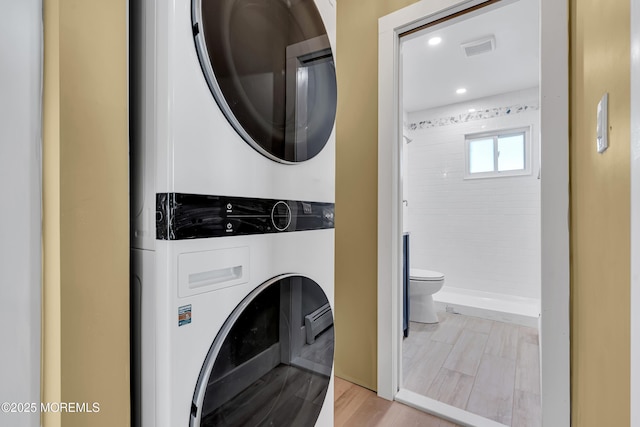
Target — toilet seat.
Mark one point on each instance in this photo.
(425, 275)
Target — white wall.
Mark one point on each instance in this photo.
(483, 234)
(20, 206)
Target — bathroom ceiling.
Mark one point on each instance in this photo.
(432, 74)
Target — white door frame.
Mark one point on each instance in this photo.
(554, 123)
(635, 212)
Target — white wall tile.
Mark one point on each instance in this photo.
(483, 234)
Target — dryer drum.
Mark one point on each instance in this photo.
(270, 68)
(261, 369)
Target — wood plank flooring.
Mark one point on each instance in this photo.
(356, 406)
(486, 367)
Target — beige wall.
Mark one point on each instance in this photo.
(600, 203)
(86, 214)
(51, 375)
(357, 187)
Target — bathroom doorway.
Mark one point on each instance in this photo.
(463, 178)
(471, 212)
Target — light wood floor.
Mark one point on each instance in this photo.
(356, 406)
(485, 367)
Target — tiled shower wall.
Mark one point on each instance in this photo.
(483, 234)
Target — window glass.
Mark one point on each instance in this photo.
(511, 153)
(481, 155)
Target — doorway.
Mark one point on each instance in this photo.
(553, 269)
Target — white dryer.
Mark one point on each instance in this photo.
(231, 98)
(237, 330)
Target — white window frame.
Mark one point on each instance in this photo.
(496, 135)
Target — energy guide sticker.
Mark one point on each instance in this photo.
(184, 315)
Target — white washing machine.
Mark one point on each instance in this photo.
(231, 98)
(233, 173)
(245, 338)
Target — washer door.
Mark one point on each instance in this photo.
(270, 68)
(271, 362)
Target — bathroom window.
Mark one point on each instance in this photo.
(497, 154)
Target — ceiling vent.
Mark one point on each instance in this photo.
(479, 46)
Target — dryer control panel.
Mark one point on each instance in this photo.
(182, 216)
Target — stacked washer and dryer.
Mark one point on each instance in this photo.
(232, 212)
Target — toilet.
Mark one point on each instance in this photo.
(422, 285)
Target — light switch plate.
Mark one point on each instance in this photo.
(602, 125)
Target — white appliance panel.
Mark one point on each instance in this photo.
(180, 351)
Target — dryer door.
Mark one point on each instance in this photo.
(270, 68)
(271, 362)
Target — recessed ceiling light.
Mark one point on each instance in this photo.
(461, 91)
(434, 41)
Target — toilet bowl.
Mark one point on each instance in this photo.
(422, 285)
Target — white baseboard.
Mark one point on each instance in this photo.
(502, 308)
(442, 410)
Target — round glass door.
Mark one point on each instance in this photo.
(270, 68)
(271, 362)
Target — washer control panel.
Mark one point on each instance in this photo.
(192, 216)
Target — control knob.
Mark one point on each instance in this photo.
(281, 216)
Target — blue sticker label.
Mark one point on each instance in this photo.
(184, 315)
